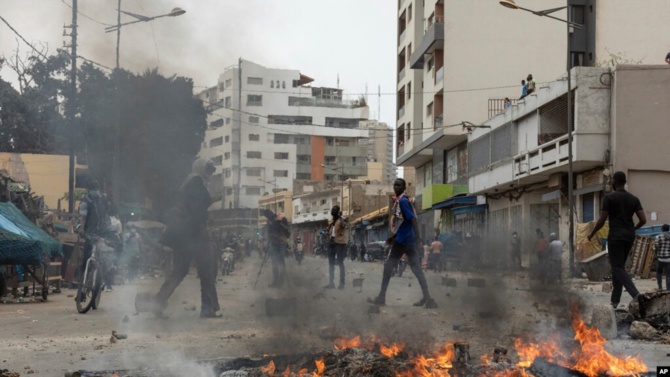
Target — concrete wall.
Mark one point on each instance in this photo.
(46, 174)
(640, 146)
(639, 31)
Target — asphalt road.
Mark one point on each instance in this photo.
(50, 338)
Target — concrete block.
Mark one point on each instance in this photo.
(597, 267)
(604, 320)
(449, 282)
(477, 283)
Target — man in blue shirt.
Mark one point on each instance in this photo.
(524, 89)
(405, 234)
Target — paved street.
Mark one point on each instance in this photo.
(52, 337)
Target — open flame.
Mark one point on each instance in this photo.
(320, 367)
(436, 365)
(392, 350)
(342, 344)
(269, 369)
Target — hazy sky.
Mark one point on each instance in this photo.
(321, 38)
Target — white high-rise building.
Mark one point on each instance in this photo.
(380, 150)
(274, 128)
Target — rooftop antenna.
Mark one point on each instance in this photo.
(338, 81)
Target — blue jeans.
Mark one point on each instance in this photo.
(660, 266)
(336, 252)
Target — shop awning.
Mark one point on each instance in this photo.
(456, 200)
(590, 189)
(554, 195)
(469, 209)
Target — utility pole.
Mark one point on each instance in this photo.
(237, 139)
(72, 109)
(118, 32)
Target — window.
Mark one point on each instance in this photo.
(226, 173)
(253, 190)
(227, 102)
(217, 160)
(353, 161)
(281, 139)
(283, 84)
(253, 154)
(216, 142)
(216, 124)
(255, 80)
(296, 83)
(229, 82)
(272, 84)
(281, 173)
(429, 109)
(329, 141)
(227, 138)
(409, 130)
(277, 84)
(281, 155)
(226, 155)
(409, 90)
(221, 87)
(588, 207)
(254, 100)
(409, 52)
(254, 137)
(409, 13)
(227, 120)
(304, 159)
(305, 176)
(430, 63)
(253, 119)
(255, 172)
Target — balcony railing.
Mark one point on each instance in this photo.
(439, 75)
(543, 157)
(437, 123)
(316, 102)
(497, 106)
(401, 112)
(401, 75)
(402, 36)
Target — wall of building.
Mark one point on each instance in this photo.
(47, 174)
(637, 32)
(640, 116)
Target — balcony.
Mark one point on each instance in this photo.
(439, 75)
(437, 122)
(433, 39)
(402, 36)
(318, 102)
(401, 112)
(401, 75)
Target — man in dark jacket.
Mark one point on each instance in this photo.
(187, 236)
(620, 206)
(278, 234)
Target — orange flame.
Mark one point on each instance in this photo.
(287, 371)
(341, 343)
(320, 367)
(269, 369)
(592, 359)
(437, 365)
(392, 350)
(302, 371)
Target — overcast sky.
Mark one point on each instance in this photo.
(321, 38)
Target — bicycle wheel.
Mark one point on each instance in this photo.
(97, 289)
(86, 289)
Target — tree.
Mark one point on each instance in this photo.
(159, 126)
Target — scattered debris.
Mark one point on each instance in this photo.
(642, 331)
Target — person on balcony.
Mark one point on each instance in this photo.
(531, 84)
(620, 206)
(524, 89)
(507, 103)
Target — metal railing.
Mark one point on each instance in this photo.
(401, 112)
(439, 75)
(316, 102)
(401, 75)
(497, 106)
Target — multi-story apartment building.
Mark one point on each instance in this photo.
(458, 60)
(520, 163)
(380, 151)
(268, 127)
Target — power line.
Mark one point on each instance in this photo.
(86, 16)
(94, 62)
(23, 39)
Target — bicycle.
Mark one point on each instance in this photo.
(92, 281)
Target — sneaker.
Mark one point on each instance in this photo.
(211, 315)
(329, 286)
(377, 301)
(431, 304)
(614, 305)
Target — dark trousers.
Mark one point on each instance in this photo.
(618, 254)
(336, 252)
(397, 251)
(181, 262)
(516, 258)
(660, 267)
(277, 257)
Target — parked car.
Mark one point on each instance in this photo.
(375, 251)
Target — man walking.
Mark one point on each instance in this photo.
(278, 234)
(337, 247)
(515, 252)
(554, 255)
(662, 252)
(620, 206)
(405, 235)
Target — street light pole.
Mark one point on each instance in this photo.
(511, 4)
